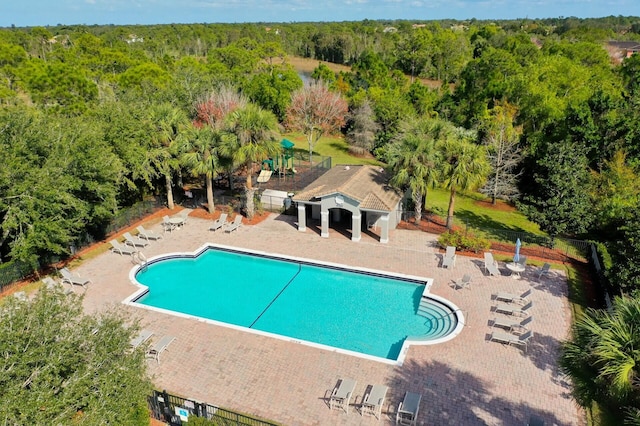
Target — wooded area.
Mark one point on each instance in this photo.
(543, 113)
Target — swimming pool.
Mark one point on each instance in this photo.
(357, 311)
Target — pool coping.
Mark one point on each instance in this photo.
(408, 342)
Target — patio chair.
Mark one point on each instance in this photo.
(159, 347)
(374, 400)
(522, 260)
(507, 308)
(135, 241)
(184, 214)
(513, 298)
(219, 222)
(142, 337)
(341, 395)
(407, 413)
(121, 249)
(490, 265)
(449, 259)
(166, 224)
(463, 282)
(232, 226)
(517, 327)
(21, 296)
(147, 235)
(511, 339)
(52, 284)
(73, 279)
(544, 271)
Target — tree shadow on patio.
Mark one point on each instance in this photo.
(451, 396)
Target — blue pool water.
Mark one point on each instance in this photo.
(362, 312)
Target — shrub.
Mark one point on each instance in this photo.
(463, 241)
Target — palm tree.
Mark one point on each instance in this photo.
(412, 157)
(201, 156)
(168, 123)
(603, 360)
(256, 134)
(464, 166)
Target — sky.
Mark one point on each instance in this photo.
(22, 13)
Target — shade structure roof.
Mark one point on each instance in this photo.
(368, 185)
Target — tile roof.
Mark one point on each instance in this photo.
(365, 184)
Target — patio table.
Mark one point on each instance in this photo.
(515, 269)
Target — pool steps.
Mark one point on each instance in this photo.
(443, 319)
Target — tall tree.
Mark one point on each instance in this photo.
(62, 367)
(556, 199)
(502, 141)
(201, 149)
(169, 123)
(315, 110)
(214, 108)
(413, 158)
(464, 166)
(603, 361)
(362, 129)
(256, 133)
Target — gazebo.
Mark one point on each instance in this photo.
(361, 192)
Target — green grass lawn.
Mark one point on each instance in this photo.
(476, 211)
(331, 146)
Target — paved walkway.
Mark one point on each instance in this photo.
(466, 381)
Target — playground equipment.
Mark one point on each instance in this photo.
(283, 164)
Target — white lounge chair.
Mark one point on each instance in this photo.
(73, 279)
(511, 339)
(374, 400)
(490, 265)
(135, 241)
(517, 327)
(121, 249)
(408, 409)
(52, 284)
(147, 234)
(21, 296)
(449, 259)
(264, 176)
(463, 282)
(342, 393)
(513, 298)
(232, 226)
(219, 222)
(507, 308)
(142, 337)
(159, 347)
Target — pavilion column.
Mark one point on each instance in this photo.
(356, 223)
(324, 221)
(384, 229)
(302, 217)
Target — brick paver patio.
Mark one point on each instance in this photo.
(466, 381)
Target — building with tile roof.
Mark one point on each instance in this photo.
(359, 193)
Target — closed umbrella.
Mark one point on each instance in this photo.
(516, 257)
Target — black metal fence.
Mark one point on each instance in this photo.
(13, 271)
(575, 249)
(545, 245)
(129, 215)
(175, 410)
